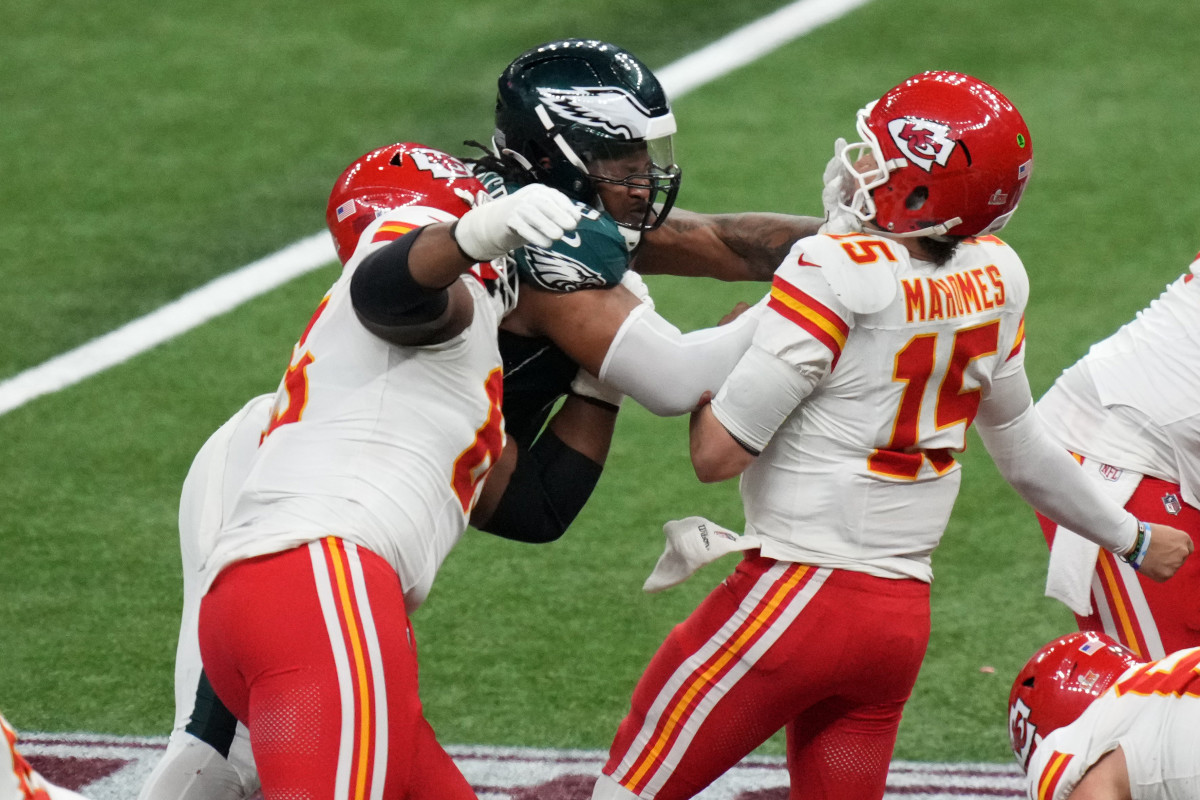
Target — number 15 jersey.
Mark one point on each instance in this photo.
(876, 363)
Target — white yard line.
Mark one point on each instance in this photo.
(750, 43)
(232, 289)
(179, 316)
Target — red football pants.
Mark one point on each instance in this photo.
(830, 655)
(1150, 618)
(311, 648)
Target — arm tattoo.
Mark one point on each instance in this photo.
(762, 239)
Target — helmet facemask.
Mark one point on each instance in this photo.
(646, 168)
(644, 163)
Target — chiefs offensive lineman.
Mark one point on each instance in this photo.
(384, 427)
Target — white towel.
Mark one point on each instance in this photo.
(1072, 557)
(693, 542)
(1069, 577)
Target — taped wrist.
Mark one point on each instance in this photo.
(385, 294)
(545, 492)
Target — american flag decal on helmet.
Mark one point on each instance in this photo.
(344, 210)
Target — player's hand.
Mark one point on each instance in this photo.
(534, 214)
(838, 188)
(1169, 548)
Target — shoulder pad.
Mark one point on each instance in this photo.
(863, 288)
(593, 256)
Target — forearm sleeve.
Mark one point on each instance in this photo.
(384, 293)
(1045, 474)
(666, 370)
(546, 491)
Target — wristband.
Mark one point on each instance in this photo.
(1135, 555)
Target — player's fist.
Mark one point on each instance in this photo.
(533, 214)
(1169, 548)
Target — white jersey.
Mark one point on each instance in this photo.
(380, 445)
(1152, 713)
(209, 492)
(861, 474)
(1131, 401)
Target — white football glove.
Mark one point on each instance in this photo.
(588, 385)
(838, 183)
(634, 283)
(693, 542)
(534, 214)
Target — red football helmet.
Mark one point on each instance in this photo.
(406, 174)
(952, 157)
(1058, 683)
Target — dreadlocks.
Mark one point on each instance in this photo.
(504, 166)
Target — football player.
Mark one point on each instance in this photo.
(591, 120)
(1089, 720)
(384, 427)
(1128, 409)
(884, 339)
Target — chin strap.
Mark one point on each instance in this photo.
(934, 231)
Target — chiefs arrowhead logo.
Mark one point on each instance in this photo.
(923, 142)
(442, 166)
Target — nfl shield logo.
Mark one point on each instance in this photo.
(1110, 473)
(1172, 504)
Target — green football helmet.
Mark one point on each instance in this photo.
(579, 112)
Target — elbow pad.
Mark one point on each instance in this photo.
(546, 491)
(665, 370)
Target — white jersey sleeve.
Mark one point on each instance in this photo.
(859, 412)
(1130, 401)
(1152, 713)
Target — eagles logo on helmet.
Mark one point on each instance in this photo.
(1058, 683)
(403, 174)
(971, 148)
(578, 112)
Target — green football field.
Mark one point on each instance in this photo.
(147, 148)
